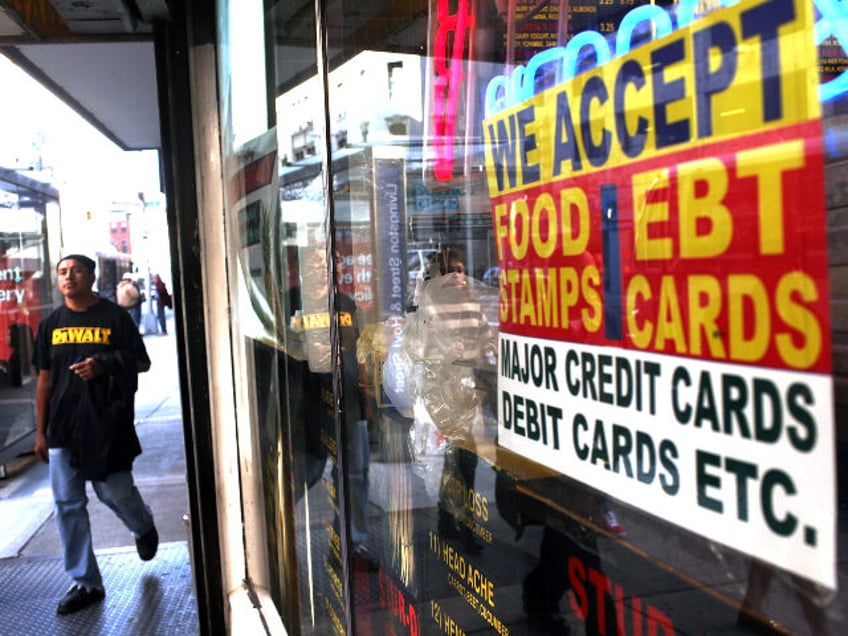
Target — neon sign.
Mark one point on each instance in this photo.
(504, 91)
(449, 55)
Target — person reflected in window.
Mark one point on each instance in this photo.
(315, 392)
(568, 549)
(357, 444)
(450, 336)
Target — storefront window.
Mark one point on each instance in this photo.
(25, 297)
(543, 316)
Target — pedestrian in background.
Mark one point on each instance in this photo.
(130, 297)
(88, 354)
(163, 299)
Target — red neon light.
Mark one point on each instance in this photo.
(448, 80)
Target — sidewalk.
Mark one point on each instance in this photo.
(156, 597)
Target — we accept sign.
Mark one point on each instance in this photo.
(664, 316)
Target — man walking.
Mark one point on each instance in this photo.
(88, 354)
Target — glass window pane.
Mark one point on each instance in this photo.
(552, 316)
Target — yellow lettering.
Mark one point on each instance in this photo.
(808, 329)
(481, 584)
(569, 292)
(519, 216)
(512, 279)
(544, 206)
(528, 305)
(637, 290)
(574, 242)
(669, 320)
(696, 212)
(747, 291)
(704, 306)
(767, 164)
(501, 228)
(546, 298)
(732, 321)
(316, 321)
(589, 283)
(646, 214)
(71, 335)
(503, 296)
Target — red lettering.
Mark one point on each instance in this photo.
(619, 609)
(447, 68)
(392, 596)
(659, 620)
(602, 588)
(577, 597)
(637, 615)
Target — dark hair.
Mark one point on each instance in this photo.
(82, 259)
(446, 254)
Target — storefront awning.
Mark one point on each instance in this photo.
(96, 56)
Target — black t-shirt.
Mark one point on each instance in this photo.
(67, 336)
(349, 334)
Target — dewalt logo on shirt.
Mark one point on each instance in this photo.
(320, 320)
(78, 335)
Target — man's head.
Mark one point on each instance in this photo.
(451, 260)
(75, 276)
(338, 261)
(81, 259)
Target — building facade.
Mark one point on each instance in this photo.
(511, 316)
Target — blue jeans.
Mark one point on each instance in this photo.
(358, 462)
(160, 314)
(118, 492)
(358, 458)
(135, 314)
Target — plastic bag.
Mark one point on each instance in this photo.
(444, 340)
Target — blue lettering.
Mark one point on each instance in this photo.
(707, 83)
(565, 142)
(595, 89)
(630, 74)
(503, 151)
(763, 21)
(530, 172)
(668, 132)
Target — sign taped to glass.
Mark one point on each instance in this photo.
(664, 302)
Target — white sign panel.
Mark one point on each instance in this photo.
(733, 452)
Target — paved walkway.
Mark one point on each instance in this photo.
(152, 598)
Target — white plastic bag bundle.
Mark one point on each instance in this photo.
(444, 340)
(397, 371)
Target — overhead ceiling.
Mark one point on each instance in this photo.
(98, 55)
(95, 55)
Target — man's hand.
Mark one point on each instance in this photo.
(87, 369)
(40, 449)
